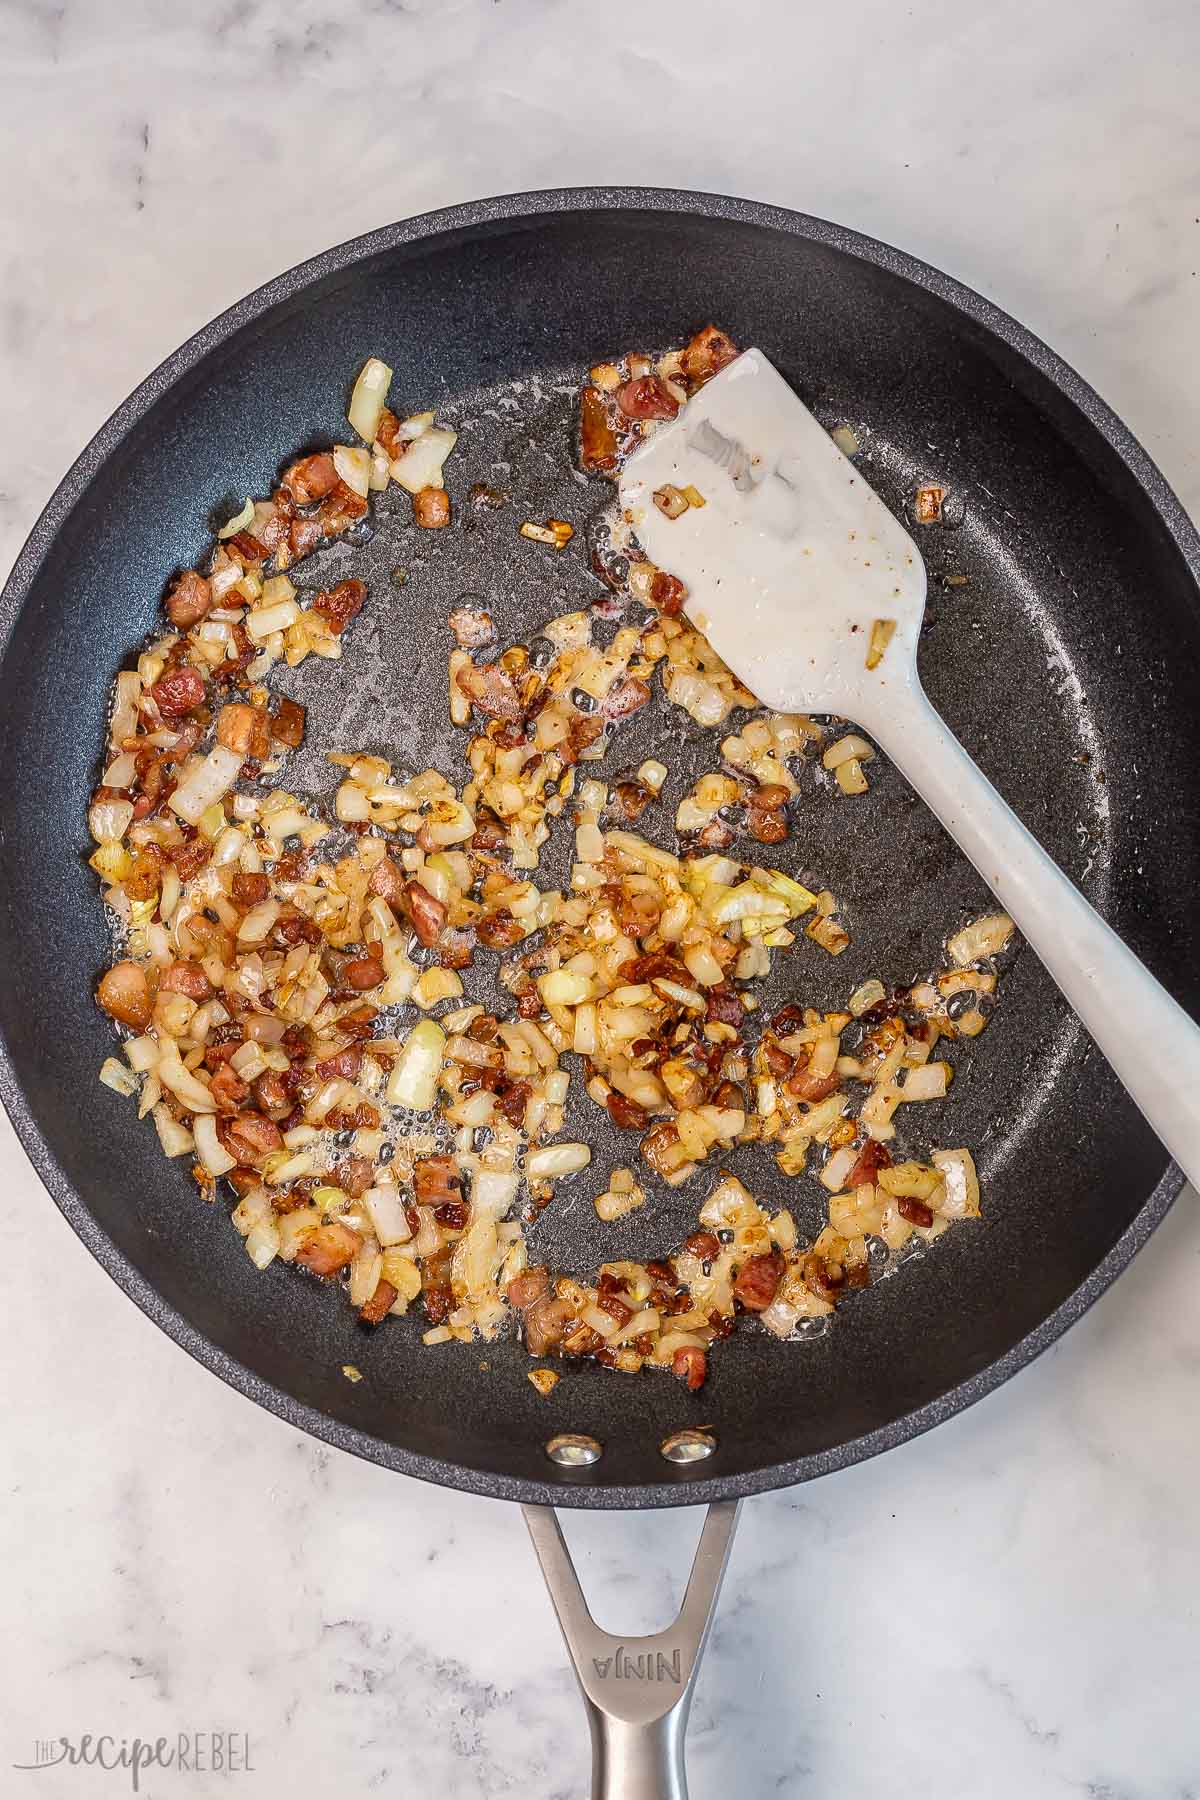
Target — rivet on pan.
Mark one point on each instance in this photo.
(573, 1451)
(688, 1446)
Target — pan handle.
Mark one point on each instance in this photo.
(637, 1691)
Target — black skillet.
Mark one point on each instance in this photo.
(1067, 664)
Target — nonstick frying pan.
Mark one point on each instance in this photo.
(1067, 664)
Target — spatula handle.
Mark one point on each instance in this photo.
(1152, 1044)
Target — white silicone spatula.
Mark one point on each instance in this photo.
(797, 573)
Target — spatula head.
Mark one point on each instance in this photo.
(796, 571)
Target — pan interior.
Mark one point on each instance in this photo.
(1067, 663)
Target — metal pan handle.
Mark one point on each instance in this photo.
(637, 1691)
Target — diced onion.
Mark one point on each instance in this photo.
(557, 1159)
(413, 1080)
(267, 619)
(984, 937)
(239, 522)
(109, 820)
(205, 784)
(212, 1154)
(176, 1139)
(125, 706)
(865, 997)
(353, 466)
(369, 398)
(961, 1184)
(121, 770)
(850, 746)
(116, 1076)
(927, 1083)
(262, 1243)
(420, 466)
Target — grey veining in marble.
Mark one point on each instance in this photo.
(1006, 1608)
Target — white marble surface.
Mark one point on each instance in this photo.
(1004, 1608)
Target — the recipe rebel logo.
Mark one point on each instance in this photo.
(187, 1753)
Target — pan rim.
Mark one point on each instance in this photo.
(674, 1488)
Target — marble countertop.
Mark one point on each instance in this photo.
(1005, 1607)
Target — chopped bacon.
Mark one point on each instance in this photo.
(758, 1281)
(363, 972)
(244, 729)
(499, 930)
(667, 592)
(245, 548)
(355, 1175)
(585, 729)
(186, 978)
(871, 1158)
(124, 995)
(388, 880)
(513, 1103)
(250, 890)
(724, 1006)
(647, 397)
(178, 692)
(628, 801)
(704, 1244)
(435, 1180)
(766, 826)
(189, 599)
(311, 478)
(625, 696)
(716, 835)
(812, 1087)
(341, 604)
(491, 690)
(341, 510)
(915, 1211)
(276, 1093)
(545, 1323)
(227, 1088)
(329, 1248)
(489, 832)
(625, 1113)
(345, 1065)
(156, 788)
(706, 354)
(387, 432)
(427, 913)
(456, 946)
(380, 1303)
(287, 727)
(292, 925)
(525, 1288)
(303, 537)
(251, 1138)
(597, 439)
(824, 1278)
(437, 1295)
(190, 856)
(657, 964)
(238, 658)
(431, 508)
(691, 1365)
